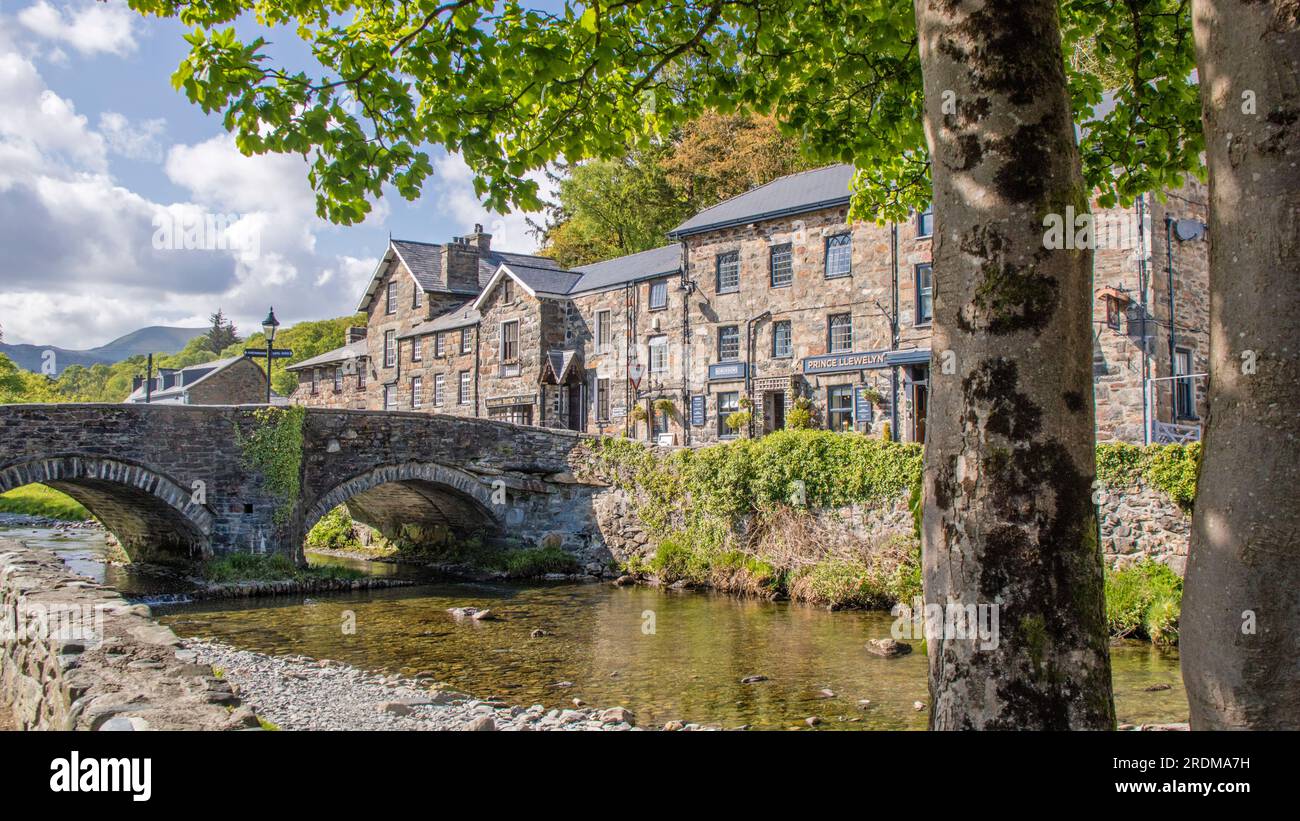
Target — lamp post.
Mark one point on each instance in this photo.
(268, 328)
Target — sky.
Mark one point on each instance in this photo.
(100, 157)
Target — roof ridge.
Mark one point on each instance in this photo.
(767, 184)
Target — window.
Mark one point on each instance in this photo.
(925, 222)
(315, 381)
(728, 403)
(782, 345)
(602, 330)
(438, 351)
(659, 295)
(417, 386)
(658, 354)
(338, 380)
(507, 291)
(729, 272)
(510, 341)
(390, 348)
(390, 298)
(839, 333)
(417, 349)
(839, 407)
(839, 255)
(602, 399)
(924, 294)
(361, 375)
(439, 389)
(417, 296)
(464, 340)
(1184, 389)
(390, 397)
(729, 343)
(782, 260)
(463, 397)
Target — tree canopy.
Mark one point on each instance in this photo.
(512, 88)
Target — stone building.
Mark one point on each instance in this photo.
(233, 381)
(768, 304)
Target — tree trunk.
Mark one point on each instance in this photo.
(1240, 632)
(1009, 459)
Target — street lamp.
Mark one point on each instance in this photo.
(268, 328)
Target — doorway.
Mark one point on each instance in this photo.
(773, 411)
(920, 400)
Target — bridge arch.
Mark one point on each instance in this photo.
(433, 496)
(150, 514)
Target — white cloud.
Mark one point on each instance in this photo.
(135, 141)
(90, 28)
(80, 264)
(453, 185)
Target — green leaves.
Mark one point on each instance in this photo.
(512, 89)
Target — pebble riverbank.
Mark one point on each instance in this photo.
(300, 693)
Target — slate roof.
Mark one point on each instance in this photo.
(461, 317)
(560, 362)
(353, 350)
(795, 194)
(666, 259)
(424, 261)
(186, 378)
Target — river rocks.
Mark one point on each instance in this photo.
(624, 580)
(473, 613)
(812, 721)
(918, 706)
(538, 633)
(300, 693)
(617, 715)
(888, 648)
(753, 679)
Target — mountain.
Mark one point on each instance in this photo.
(154, 339)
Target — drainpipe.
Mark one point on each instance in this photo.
(1169, 265)
(749, 364)
(477, 398)
(893, 332)
(687, 290)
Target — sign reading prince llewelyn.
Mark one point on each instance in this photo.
(841, 362)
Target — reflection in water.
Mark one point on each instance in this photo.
(688, 668)
(665, 655)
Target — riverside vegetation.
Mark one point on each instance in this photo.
(751, 517)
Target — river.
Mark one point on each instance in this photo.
(663, 654)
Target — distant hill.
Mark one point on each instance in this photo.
(155, 339)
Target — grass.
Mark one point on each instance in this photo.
(39, 500)
(1144, 600)
(275, 567)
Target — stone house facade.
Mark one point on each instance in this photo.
(767, 304)
(233, 381)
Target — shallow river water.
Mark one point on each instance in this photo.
(663, 654)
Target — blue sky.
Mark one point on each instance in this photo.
(95, 145)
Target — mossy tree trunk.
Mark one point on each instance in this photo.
(1240, 627)
(1009, 461)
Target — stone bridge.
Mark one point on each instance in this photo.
(174, 480)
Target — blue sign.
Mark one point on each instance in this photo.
(727, 371)
(697, 411)
(276, 353)
(843, 362)
(862, 408)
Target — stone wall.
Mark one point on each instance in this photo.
(1136, 523)
(1142, 522)
(241, 383)
(74, 655)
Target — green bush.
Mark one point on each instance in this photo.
(270, 567)
(538, 561)
(1144, 600)
(842, 583)
(1171, 468)
(333, 532)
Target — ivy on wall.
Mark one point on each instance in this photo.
(1171, 468)
(273, 447)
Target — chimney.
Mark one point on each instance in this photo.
(460, 263)
(480, 239)
(137, 382)
(354, 333)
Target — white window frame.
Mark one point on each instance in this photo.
(512, 355)
(390, 297)
(439, 389)
(390, 348)
(417, 389)
(661, 287)
(846, 345)
(463, 392)
(734, 330)
(730, 261)
(657, 348)
(839, 256)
